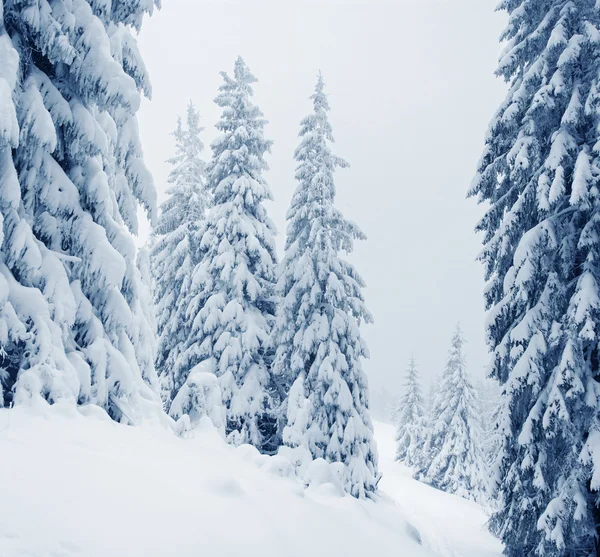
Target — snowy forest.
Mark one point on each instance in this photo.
(184, 341)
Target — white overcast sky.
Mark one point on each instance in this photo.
(412, 88)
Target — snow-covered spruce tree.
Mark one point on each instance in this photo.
(232, 304)
(319, 347)
(452, 457)
(175, 254)
(409, 419)
(539, 175)
(71, 178)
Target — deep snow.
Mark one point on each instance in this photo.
(74, 485)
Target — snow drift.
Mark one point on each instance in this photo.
(75, 483)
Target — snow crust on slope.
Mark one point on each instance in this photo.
(75, 485)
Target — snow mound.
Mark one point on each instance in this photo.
(321, 473)
(250, 454)
(279, 466)
(199, 398)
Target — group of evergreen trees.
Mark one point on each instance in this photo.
(443, 443)
(270, 353)
(280, 342)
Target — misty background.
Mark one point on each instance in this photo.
(412, 89)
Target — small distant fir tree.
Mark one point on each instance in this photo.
(410, 419)
(72, 325)
(319, 346)
(232, 300)
(539, 179)
(175, 252)
(452, 458)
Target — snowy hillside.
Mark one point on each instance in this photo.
(85, 486)
(448, 525)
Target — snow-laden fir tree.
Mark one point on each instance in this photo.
(409, 419)
(71, 177)
(539, 176)
(319, 346)
(233, 285)
(175, 253)
(452, 458)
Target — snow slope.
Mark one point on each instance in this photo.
(448, 525)
(74, 485)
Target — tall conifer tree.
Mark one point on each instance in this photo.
(71, 179)
(233, 285)
(175, 253)
(319, 346)
(539, 176)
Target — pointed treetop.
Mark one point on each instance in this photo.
(235, 97)
(411, 370)
(457, 336)
(319, 97)
(318, 122)
(241, 74)
(456, 357)
(193, 119)
(412, 374)
(188, 146)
